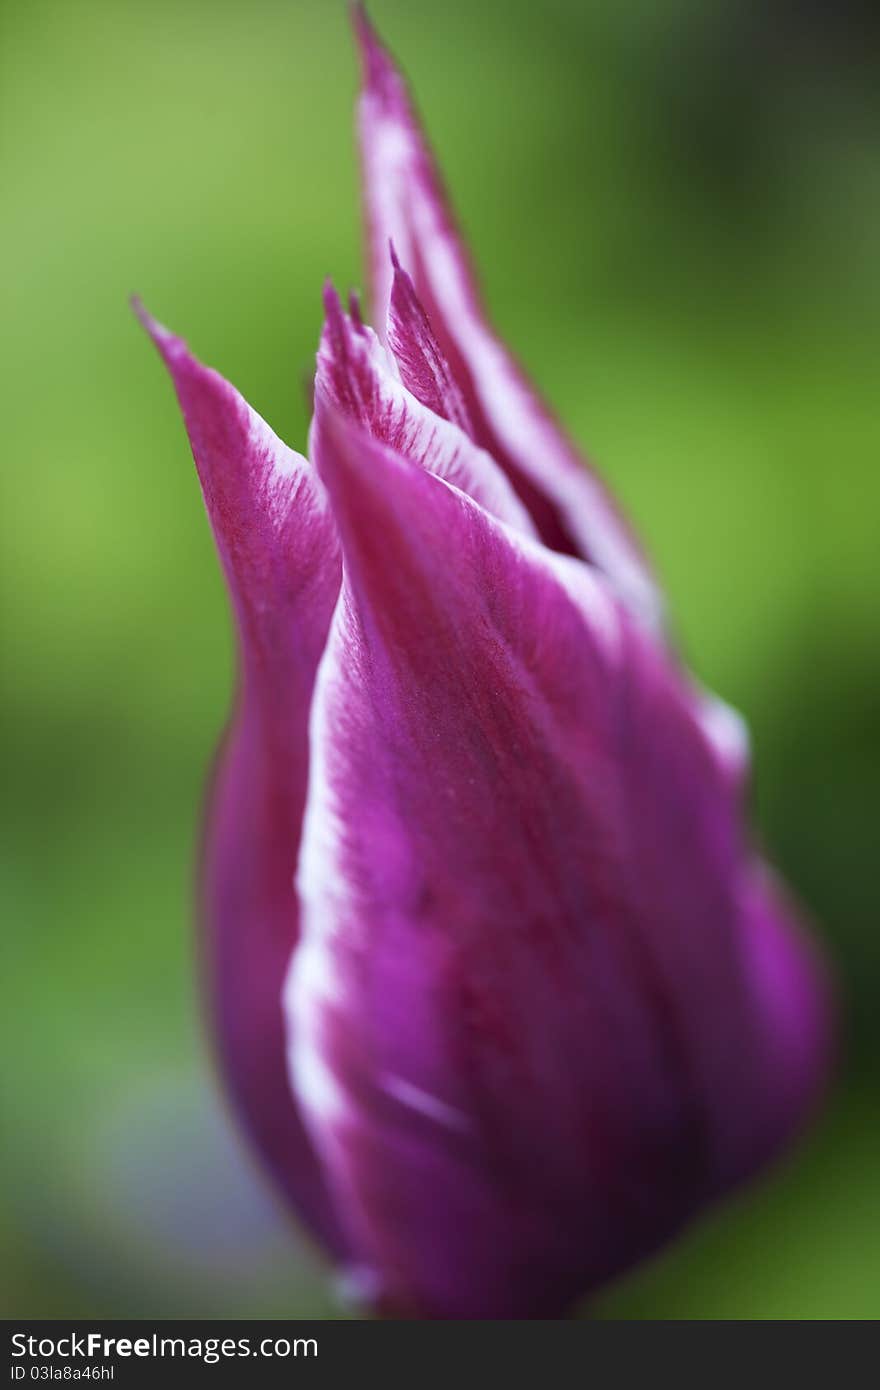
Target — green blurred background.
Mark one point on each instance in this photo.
(676, 209)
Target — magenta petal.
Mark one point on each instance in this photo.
(280, 554)
(356, 377)
(405, 204)
(527, 1031)
(797, 1009)
(419, 357)
(727, 733)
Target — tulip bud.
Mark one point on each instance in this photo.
(501, 989)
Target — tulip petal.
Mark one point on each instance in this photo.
(728, 734)
(405, 204)
(522, 1008)
(280, 554)
(419, 357)
(356, 376)
(797, 1012)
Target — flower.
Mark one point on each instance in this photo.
(501, 988)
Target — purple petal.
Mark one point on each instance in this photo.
(419, 357)
(727, 733)
(280, 554)
(528, 1035)
(356, 377)
(796, 1007)
(405, 204)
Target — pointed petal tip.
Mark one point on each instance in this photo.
(366, 37)
(157, 331)
(402, 284)
(402, 288)
(171, 348)
(354, 310)
(336, 311)
(379, 73)
(139, 309)
(331, 301)
(424, 368)
(334, 348)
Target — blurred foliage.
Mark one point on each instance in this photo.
(676, 208)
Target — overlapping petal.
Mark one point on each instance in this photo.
(527, 1025)
(405, 204)
(356, 375)
(280, 553)
(419, 357)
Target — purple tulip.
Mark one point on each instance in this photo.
(543, 1001)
